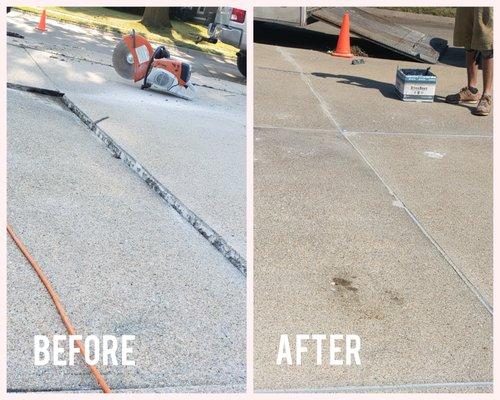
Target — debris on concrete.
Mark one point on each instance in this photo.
(357, 61)
(14, 34)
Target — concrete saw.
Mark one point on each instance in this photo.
(134, 58)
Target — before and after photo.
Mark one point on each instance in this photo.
(159, 241)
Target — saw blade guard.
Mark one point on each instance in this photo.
(131, 56)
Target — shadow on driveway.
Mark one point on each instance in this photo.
(386, 89)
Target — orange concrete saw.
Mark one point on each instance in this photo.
(134, 58)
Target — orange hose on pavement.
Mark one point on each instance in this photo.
(60, 309)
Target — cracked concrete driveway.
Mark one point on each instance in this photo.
(372, 217)
(122, 260)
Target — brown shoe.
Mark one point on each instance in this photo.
(484, 106)
(464, 96)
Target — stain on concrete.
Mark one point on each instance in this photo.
(345, 284)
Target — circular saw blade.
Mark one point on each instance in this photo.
(123, 61)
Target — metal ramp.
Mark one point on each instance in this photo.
(385, 32)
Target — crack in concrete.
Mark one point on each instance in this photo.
(214, 238)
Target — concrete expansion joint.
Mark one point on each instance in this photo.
(214, 238)
(430, 135)
(381, 388)
(57, 53)
(326, 111)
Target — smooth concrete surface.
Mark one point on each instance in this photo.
(288, 110)
(121, 261)
(197, 149)
(400, 296)
(336, 253)
(24, 71)
(362, 97)
(451, 195)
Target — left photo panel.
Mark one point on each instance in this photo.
(126, 199)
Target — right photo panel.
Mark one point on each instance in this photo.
(373, 197)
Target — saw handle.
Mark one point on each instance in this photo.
(159, 52)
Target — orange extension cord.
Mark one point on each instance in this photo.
(60, 309)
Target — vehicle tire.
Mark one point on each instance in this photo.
(241, 62)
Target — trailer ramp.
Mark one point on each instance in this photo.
(385, 32)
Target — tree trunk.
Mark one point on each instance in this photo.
(156, 17)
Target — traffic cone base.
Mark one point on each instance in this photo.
(42, 24)
(344, 43)
(348, 55)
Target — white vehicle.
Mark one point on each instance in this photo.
(296, 16)
(229, 27)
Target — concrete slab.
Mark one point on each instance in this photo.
(323, 217)
(65, 40)
(286, 110)
(335, 254)
(195, 148)
(122, 262)
(270, 58)
(372, 86)
(22, 69)
(30, 312)
(448, 184)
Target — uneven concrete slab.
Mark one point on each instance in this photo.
(448, 183)
(362, 97)
(121, 261)
(195, 148)
(322, 216)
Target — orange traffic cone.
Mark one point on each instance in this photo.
(42, 24)
(344, 43)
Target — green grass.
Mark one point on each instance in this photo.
(441, 11)
(181, 34)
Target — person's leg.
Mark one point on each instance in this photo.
(485, 103)
(462, 36)
(469, 93)
(488, 75)
(472, 68)
(482, 39)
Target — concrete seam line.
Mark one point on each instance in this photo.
(215, 239)
(56, 53)
(445, 255)
(32, 89)
(379, 387)
(296, 129)
(447, 258)
(354, 133)
(39, 67)
(430, 135)
(226, 388)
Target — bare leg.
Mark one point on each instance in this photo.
(488, 76)
(472, 69)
